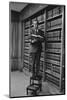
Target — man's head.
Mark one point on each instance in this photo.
(35, 23)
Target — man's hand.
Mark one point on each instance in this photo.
(33, 41)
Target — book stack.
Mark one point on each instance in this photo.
(53, 50)
(48, 25)
(54, 12)
(26, 43)
(49, 14)
(53, 61)
(52, 79)
(57, 11)
(55, 67)
(42, 27)
(54, 36)
(54, 44)
(56, 23)
(27, 31)
(53, 56)
(41, 18)
(27, 24)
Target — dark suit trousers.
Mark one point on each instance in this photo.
(35, 63)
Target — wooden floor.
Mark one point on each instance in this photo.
(20, 80)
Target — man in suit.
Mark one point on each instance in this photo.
(36, 39)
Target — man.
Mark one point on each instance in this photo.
(37, 37)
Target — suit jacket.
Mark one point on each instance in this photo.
(36, 46)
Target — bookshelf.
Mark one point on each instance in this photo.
(26, 44)
(54, 45)
(51, 21)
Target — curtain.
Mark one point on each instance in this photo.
(14, 45)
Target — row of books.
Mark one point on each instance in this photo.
(54, 45)
(26, 37)
(54, 23)
(57, 10)
(26, 48)
(55, 39)
(52, 79)
(26, 31)
(27, 24)
(26, 54)
(26, 51)
(53, 50)
(26, 41)
(41, 18)
(53, 67)
(53, 56)
(26, 65)
(26, 44)
(53, 61)
(41, 26)
(53, 73)
(53, 34)
(26, 57)
(54, 12)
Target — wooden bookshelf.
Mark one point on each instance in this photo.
(54, 48)
(51, 21)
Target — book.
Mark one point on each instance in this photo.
(42, 26)
(52, 79)
(49, 14)
(36, 36)
(41, 18)
(54, 45)
(27, 24)
(48, 25)
(52, 50)
(57, 11)
(53, 56)
(53, 61)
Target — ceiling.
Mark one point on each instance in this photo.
(17, 6)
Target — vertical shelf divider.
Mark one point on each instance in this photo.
(44, 65)
(61, 63)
